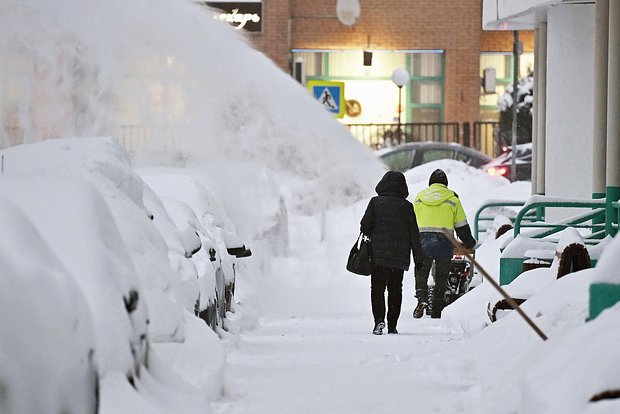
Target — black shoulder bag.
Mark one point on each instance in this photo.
(360, 260)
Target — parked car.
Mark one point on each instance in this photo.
(501, 165)
(208, 235)
(47, 350)
(406, 156)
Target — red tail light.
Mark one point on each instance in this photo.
(498, 171)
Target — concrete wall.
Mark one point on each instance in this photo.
(570, 84)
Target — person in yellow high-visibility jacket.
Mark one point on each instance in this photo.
(437, 208)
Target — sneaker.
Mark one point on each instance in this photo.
(392, 331)
(378, 328)
(418, 312)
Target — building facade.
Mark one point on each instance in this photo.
(441, 44)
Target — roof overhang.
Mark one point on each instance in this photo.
(514, 14)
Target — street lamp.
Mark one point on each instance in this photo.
(400, 77)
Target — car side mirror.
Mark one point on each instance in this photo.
(239, 251)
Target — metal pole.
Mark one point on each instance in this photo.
(535, 159)
(399, 136)
(541, 112)
(515, 84)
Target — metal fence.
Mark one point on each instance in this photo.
(378, 135)
(483, 137)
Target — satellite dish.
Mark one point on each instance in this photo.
(348, 11)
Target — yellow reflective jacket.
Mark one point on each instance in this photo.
(437, 208)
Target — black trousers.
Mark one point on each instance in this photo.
(392, 279)
(442, 270)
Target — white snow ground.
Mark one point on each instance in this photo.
(299, 339)
(313, 351)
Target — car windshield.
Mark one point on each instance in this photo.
(434, 154)
(399, 160)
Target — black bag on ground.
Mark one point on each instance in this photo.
(360, 261)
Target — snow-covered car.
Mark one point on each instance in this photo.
(47, 343)
(501, 165)
(406, 156)
(72, 218)
(208, 236)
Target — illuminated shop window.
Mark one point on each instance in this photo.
(371, 87)
(426, 92)
(427, 87)
(427, 65)
(313, 62)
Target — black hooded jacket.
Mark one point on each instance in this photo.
(391, 224)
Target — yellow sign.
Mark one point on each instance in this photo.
(330, 95)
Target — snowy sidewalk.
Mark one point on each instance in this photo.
(319, 365)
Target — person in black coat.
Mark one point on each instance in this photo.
(391, 224)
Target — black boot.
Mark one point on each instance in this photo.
(418, 312)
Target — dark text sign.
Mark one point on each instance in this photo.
(240, 15)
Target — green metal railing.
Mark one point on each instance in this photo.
(531, 215)
(491, 204)
(585, 220)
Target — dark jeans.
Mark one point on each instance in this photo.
(442, 270)
(391, 278)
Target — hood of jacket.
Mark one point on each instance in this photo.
(435, 194)
(393, 183)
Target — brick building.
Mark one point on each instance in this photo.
(441, 44)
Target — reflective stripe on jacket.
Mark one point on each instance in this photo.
(437, 208)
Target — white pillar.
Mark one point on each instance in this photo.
(613, 112)
(599, 144)
(541, 112)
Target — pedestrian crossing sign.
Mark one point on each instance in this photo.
(330, 95)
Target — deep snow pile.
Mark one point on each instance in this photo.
(176, 87)
(564, 374)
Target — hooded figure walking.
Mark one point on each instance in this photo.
(391, 224)
(438, 208)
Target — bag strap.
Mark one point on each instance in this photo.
(362, 238)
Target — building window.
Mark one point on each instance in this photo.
(426, 92)
(422, 114)
(427, 87)
(503, 65)
(427, 65)
(372, 88)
